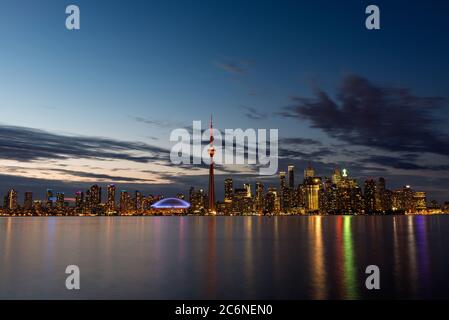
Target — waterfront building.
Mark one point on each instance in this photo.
(110, 205)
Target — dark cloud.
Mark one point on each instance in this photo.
(315, 155)
(298, 141)
(394, 162)
(100, 176)
(400, 163)
(365, 114)
(26, 144)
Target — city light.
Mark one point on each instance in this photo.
(315, 195)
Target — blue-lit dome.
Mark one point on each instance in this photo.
(171, 203)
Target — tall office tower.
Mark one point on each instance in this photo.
(193, 205)
(211, 171)
(397, 200)
(111, 199)
(95, 196)
(329, 197)
(301, 195)
(138, 201)
(388, 200)
(49, 198)
(336, 176)
(11, 200)
(79, 200)
(309, 172)
(282, 188)
(247, 187)
(242, 204)
(272, 203)
(419, 201)
(203, 200)
(286, 195)
(60, 200)
(259, 201)
(356, 196)
(282, 179)
(123, 202)
(148, 201)
(28, 201)
(198, 201)
(87, 208)
(370, 196)
(228, 190)
(380, 195)
(291, 177)
(313, 186)
(407, 198)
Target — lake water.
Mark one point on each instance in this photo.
(224, 257)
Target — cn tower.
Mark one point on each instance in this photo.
(211, 171)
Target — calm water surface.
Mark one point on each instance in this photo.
(224, 257)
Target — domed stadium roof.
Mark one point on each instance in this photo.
(171, 203)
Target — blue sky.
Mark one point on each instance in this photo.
(168, 63)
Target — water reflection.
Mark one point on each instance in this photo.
(411, 254)
(350, 270)
(211, 258)
(318, 257)
(423, 254)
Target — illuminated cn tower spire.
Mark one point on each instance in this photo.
(211, 171)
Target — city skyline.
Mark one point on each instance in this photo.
(337, 193)
(88, 106)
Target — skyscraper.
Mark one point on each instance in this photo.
(282, 180)
(369, 195)
(138, 199)
(380, 195)
(291, 177)
(336, 176)
(111, 198)
(49, 198)
(309, 172)
(282, 189)
(95, 196)
(243, 203)
(124, 198)
(247, 187)
(28, 201)
(272, 202)
(228, 190)
(419, 201)
(259, 201)
(407, 198)
(313, 185)
(211, 171)
(60, 200)
(11, 199)
(79, 201)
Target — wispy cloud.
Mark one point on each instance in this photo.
(28, 144)
(235, 67)
(159, 123)
(254, 114)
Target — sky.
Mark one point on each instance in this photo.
(97, 105)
